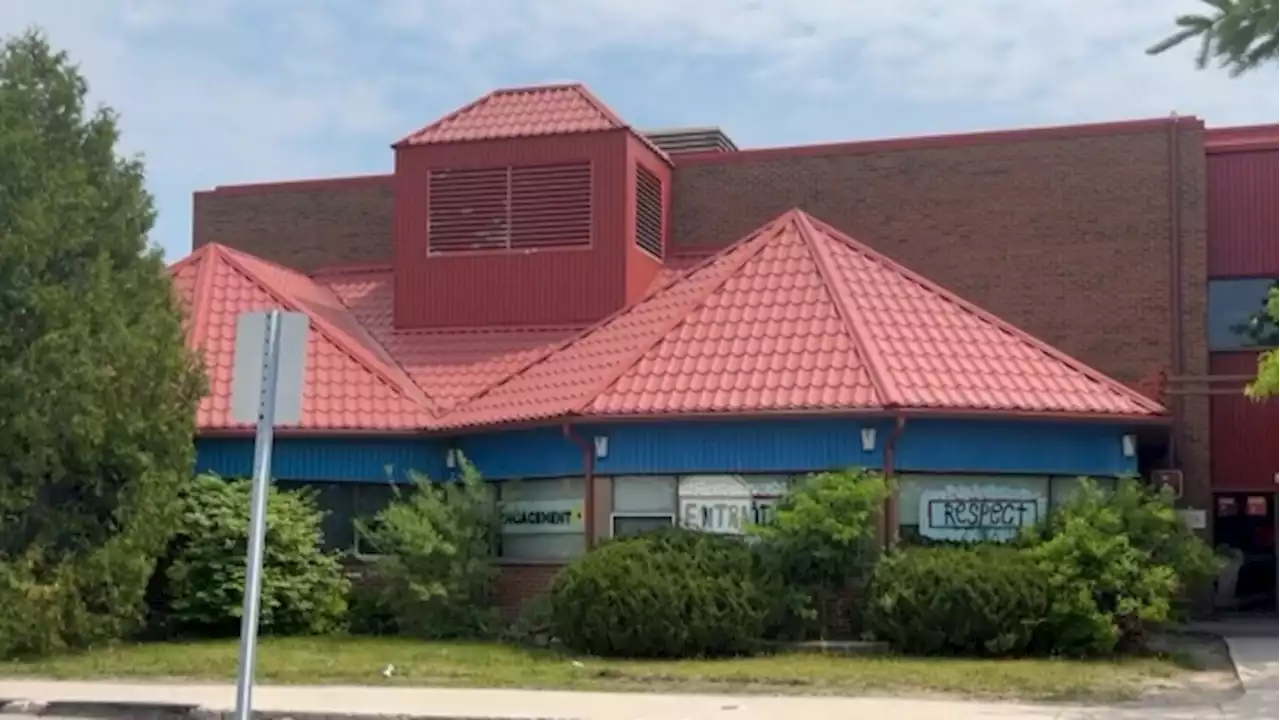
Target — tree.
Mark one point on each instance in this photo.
(97, 389)
(1265, 384)
(1240, 34)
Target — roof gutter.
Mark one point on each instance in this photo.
(589, 483)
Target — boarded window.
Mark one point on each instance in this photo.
(509, 208)
(648, 212)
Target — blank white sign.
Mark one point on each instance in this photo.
(247, 373)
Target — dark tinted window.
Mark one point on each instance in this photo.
(1236, 317)
(634, 525)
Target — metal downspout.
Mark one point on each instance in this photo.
(589, 483)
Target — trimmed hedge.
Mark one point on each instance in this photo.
(981, 600)
(668, 594)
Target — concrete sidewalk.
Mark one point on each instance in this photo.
(300, 703)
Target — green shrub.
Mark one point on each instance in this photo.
(435, 557)
(303, 588)
(1117, 563)
(369, 609)
(816, 553)
(672, 594)
(980, 600)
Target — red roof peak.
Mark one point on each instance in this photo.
(800, 318)
(521, 112)
(353, 382)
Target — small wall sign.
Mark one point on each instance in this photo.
(970, 513)
(1194, 518)
(1255, 506)
(727, 504)
(1170, 480)
(541, 517)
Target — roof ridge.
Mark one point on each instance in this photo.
(334, 335)
(203, 289)
(599, 105)
(585, 93)
(1003, 325)
(596, 326)
(446, 118)
(682, 316)
(880, 377)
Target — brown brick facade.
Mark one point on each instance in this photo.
(1065, 237)
(519, 583)
(304, 225)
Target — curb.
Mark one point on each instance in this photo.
(161, 711)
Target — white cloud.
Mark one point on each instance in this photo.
(231, 90)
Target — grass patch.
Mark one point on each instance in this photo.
(360, 661)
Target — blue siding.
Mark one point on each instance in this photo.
(542, 452)
(780, 446)
(1034, 447)
(961, 446)
(355, 459)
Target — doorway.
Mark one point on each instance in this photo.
(1245, 523)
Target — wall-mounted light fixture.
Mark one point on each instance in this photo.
(1129, 445)
(602, 446)
(868, 439)
(451, 458)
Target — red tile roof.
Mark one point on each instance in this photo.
(525, 112)
(799, 317)
(352, 383)
(521, 112)
(795, 318)
(450, 366)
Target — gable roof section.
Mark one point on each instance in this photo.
(450, 365)
(351, 381)
(799, 317)
(526, 112)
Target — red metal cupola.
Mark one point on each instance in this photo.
(530, 206)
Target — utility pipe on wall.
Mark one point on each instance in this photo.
(891, 508)
(589, 483)
(1176, 359)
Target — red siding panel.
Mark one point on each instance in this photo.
(526, 286)
(642, 266)
(1244, 203)
(1244, 434)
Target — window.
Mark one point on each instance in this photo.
(722, 504)
(1236, 318)
(641, 504)
(648, 212)
(344, 504)
(509, 208)
(956, 508)
(542, 519)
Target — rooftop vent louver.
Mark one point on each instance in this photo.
(691, 140)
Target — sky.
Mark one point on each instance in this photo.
(219, 92)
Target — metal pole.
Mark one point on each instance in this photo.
(258, 518)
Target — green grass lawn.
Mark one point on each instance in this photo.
(360, 661)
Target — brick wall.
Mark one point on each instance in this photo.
(304, 225)
(1065, 234)
(519, 583)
